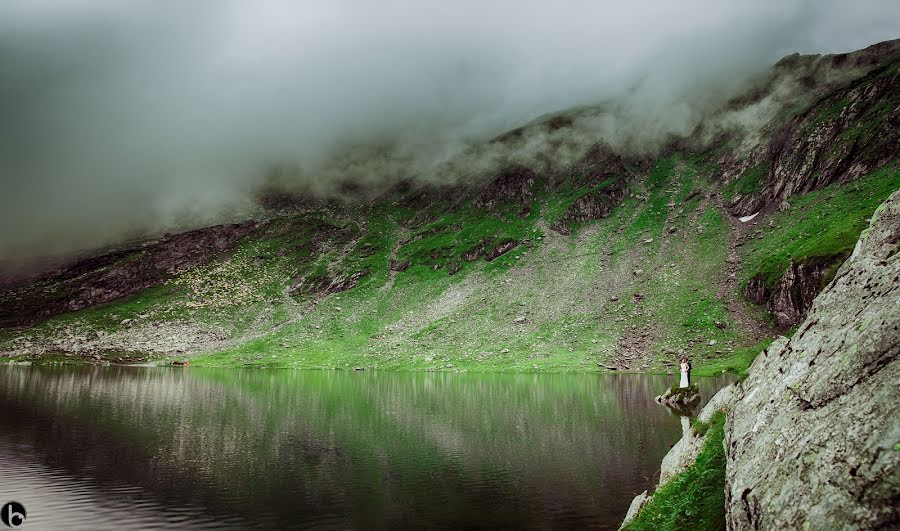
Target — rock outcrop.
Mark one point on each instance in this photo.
(812, 436)
(131, 269)
(512, 184)
(680, 397)
(792, 297)
(324, 285)
(794, 294)
(844, 134)
(604, 173)
(593, 205)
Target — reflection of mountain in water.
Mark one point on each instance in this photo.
(351, 449)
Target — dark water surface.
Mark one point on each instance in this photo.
(129, 447)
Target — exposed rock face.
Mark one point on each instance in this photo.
(599, 167)
(811, 439)
(500, 249)
(794, 294)
(97, 280)
(490, 249)
(792, 297)
(512, 184)
(636, 504)
(842, 136)
(591, 206)
(327, 285)
(756, 290)
(807, 152)
(398, 266)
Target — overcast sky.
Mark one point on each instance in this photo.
(129, 115)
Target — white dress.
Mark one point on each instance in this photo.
(684, 376)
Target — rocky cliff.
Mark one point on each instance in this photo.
(812, 435)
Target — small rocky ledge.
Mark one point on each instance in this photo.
(680, 398)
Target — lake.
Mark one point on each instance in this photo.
(117, 446)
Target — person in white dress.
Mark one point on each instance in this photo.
(685, 373)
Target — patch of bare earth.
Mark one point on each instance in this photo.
(632, 349)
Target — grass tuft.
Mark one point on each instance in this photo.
(695, 498)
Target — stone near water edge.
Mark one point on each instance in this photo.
(680, 396)
(636, 504)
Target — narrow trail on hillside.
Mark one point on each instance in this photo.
(728, 289)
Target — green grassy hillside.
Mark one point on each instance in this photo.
(630, 291)
(613, 262)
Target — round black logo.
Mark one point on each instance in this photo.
(13, 514)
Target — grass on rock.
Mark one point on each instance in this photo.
(695, 498)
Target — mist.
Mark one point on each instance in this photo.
(124, 118)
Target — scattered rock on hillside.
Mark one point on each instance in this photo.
(122, 272)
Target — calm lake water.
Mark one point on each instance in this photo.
(132, 447)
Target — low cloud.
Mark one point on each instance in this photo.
(123, 118)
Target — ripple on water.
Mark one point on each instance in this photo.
(58, 500)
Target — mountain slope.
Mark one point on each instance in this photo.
(806, 440)
(618, 258)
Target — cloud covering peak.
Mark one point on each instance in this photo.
(121, 117)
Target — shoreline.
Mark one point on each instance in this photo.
(707, 371)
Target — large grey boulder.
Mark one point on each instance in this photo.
(813, 439)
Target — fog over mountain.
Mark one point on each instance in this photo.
(127, 117)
